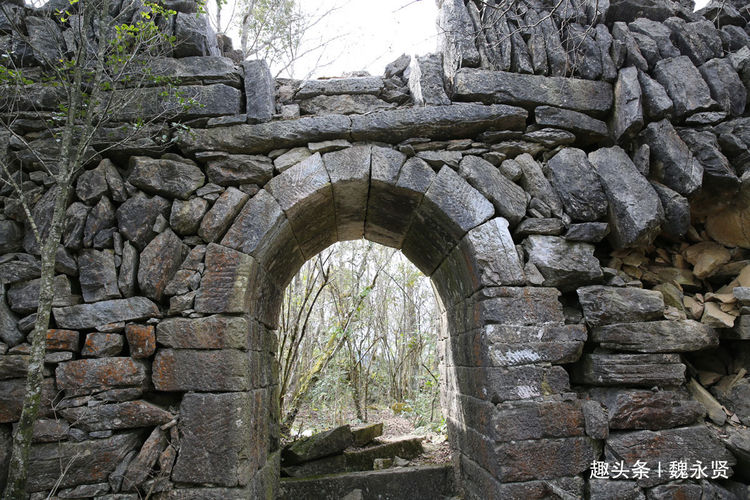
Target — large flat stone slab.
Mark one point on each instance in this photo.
(501, 87)
(603, 305)
(212, 332)
(194, 370)
(85, 316)
(93, 375)
(656, 336)
(635, 370)
(646, 409)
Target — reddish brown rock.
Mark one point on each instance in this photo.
(102, 345)
(141, 339)
(62, 340)
(89, 375)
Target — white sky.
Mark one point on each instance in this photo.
(369, 34)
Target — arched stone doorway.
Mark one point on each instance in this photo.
(504, 392)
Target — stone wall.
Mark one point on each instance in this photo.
(580, 210)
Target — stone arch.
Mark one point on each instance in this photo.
(501, 342)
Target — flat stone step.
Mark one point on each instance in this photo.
(407, 483)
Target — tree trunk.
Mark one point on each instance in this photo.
(15, 488)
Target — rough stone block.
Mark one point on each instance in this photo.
(227, 282)
(509, 384)
(684, 443)
(216, 439)
(426, 80)
(101, 345)
(260, 102)
(89, 461)
(97, 275)
(563, 263)
(528, 420)
(126, 415)
(644, 409)
(221, 215)
(192, 370)
(672, 163)
(656, 336)
(639, 370)
(63, 340)
(12, 392)
(532, 90)
(577, 184)
(519, 461)
(507, 197)
(166, 176)
(635, 212)
(685, 86)
(212, 332)
(318, 445)
(94, 375)
(586, 129)
(603, 305)
(226, 169)
(159, 261)
(141, 340)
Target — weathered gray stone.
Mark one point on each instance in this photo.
(331, 464)
(102, 345)
(633, 57)
(536, 184)
(141, 340)
(212, 332)
(94, 375)
(186, 216)
(605, 489)
(672, 163)
(676, 211)
(226, 169)
(136, 218)
(364, 459)
(126, 415)
(647, 409)
(638, 370)
(589, 232)
(595, 418)
(365, 434)
(656, 102)
(519, 455)
(547, 226)
(507, 197)
(698, 40)
(456, 36)
(635, 213)
(193, 36)
(333, 86)
(684, 85)
(343, 104)
(718, 175)
(90, 461)
(224, 210)
(735, 395)
(225, 284)
(85, 316)
(726, 87)
(193, 370)
(578, 185)
(217, 433)
(260, 89)
(397, 187)
(349, 172)
(9, 332)
(98, 276)
(158, 262)
(436, 122)
(450, 208)
(305, 194)
(532, 90)
(101, 219)
(198, 70)
(75, 222)
(563, 264)
(579, 40)
(24, 297)
(13, 366)
(604, 305)
(12, 394)
(91, 185)
(167, 177)
(139, 469)
(510, 383)
(126, 279)
(317, 446)
(656, 336)
(627, 119)
(426, 80)
(290, 158)
(587, 130)
(685, 443)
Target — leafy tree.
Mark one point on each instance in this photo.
(96, 73)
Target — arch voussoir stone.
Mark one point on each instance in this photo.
(263, 231)
(450, 208)
(397, 187)
(349, 172)
(305, 194)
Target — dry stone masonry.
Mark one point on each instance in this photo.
(572, 175)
